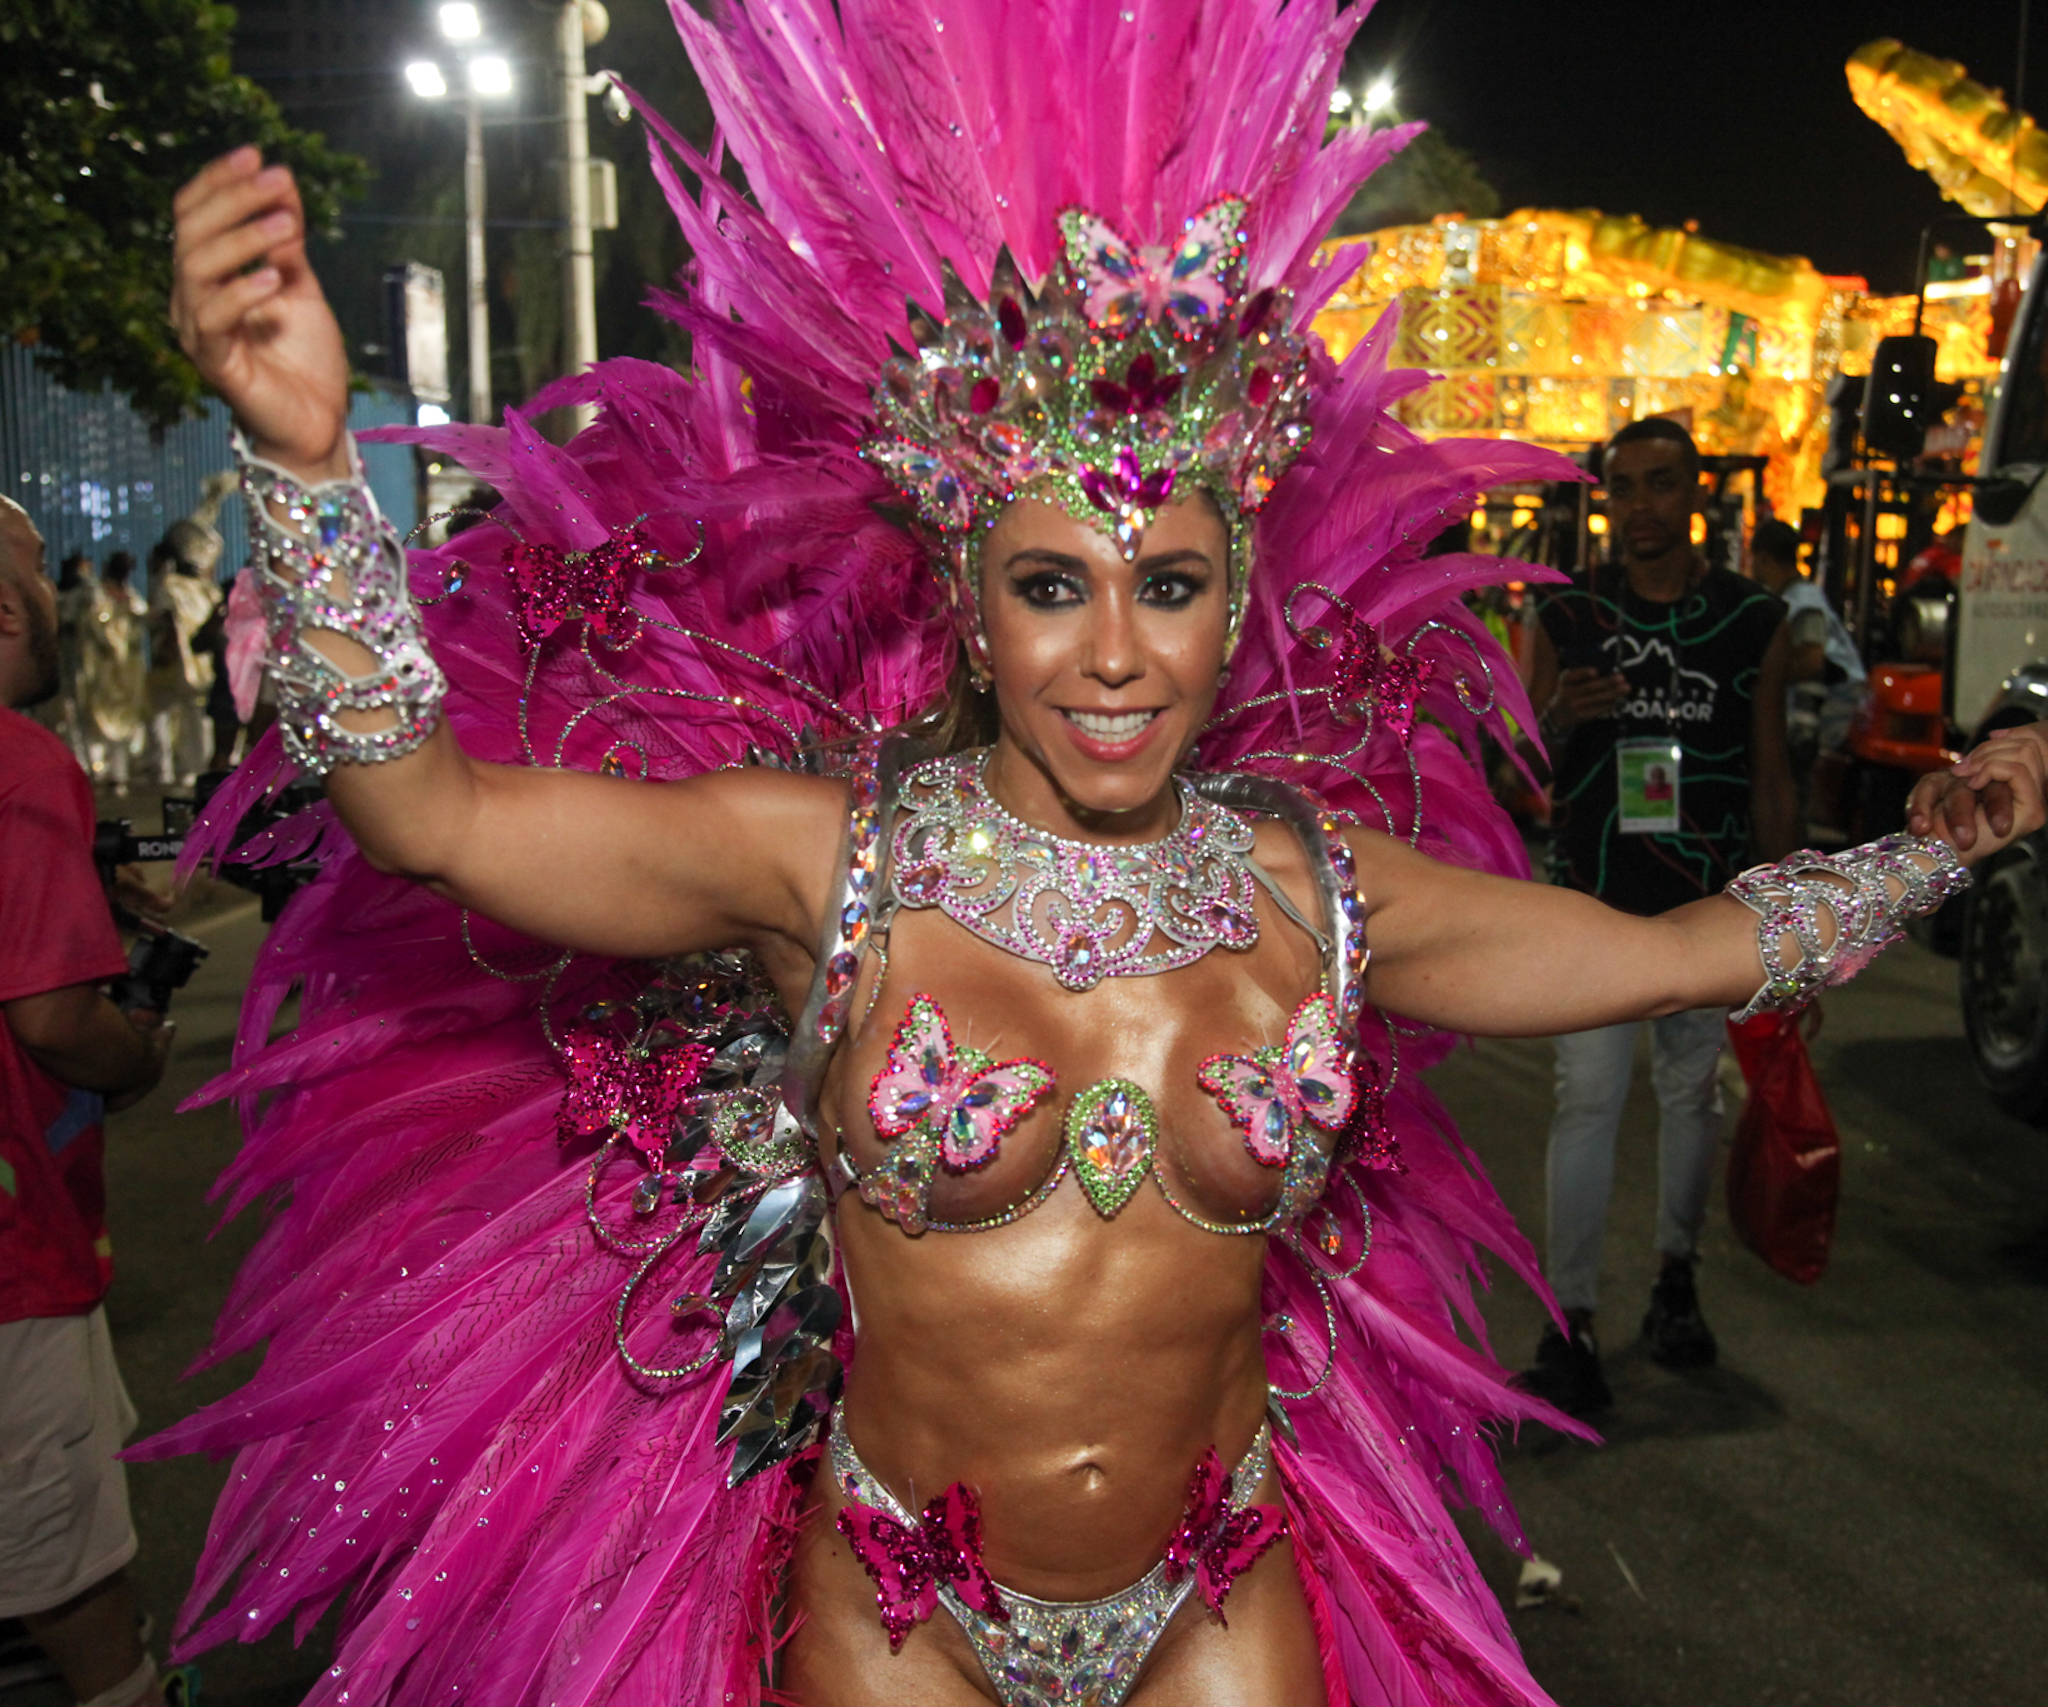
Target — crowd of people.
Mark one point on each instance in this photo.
(143, 693)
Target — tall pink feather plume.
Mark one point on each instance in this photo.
(441, 1439)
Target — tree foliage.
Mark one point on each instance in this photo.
(1428, 177)
(112, 104)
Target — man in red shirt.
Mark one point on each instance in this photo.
(66, 1055)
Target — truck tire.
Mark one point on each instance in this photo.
(2004, 978)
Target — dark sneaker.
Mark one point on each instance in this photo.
(1567, 1373)
(1678, 1335)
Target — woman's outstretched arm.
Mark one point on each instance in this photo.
(596, 863)
(1502, 958)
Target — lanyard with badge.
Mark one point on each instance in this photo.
(1646, 777)
(1647, 771)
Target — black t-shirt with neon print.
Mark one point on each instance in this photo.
(1692, 667)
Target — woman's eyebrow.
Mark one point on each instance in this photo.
(1174, 559)
(1046, 559)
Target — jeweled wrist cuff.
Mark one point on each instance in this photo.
(1867, 893)
(333, 563)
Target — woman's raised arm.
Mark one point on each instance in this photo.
(595, 863)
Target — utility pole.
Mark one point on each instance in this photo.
(578, 21)
(479, 295)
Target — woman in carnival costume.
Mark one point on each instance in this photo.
(770, 1209)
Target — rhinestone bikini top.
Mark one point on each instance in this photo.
(1087, 911)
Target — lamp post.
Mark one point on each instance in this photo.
(578, 24)
(486, 75)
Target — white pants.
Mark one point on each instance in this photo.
(1593, 1073)
(181, 739)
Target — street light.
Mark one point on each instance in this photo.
(1379, 95)
(490, 75)
(578, 24)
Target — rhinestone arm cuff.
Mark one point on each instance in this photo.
(1822, 918)
(327, 560)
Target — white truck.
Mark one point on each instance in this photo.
(1998, 677)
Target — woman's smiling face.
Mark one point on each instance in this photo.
(1104, 670)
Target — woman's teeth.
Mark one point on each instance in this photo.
(1116, 726)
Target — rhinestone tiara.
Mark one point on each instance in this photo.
(1134, 375)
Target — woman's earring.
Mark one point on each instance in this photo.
(980, 673)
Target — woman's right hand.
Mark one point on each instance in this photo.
(264, 338)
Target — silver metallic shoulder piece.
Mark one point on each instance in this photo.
(1822, 918)
(333, 563)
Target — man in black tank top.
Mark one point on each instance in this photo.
(1661, 689)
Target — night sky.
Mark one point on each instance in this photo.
(1734, 112)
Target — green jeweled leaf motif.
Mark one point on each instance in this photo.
(757, 1133)
(1112, 1130)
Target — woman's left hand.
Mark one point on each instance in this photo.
(1988, 800)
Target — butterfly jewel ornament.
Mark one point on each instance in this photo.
(910, 1562)
(616, 1087)
(1134, 375)
(945, 1106)
(1274, 1095)
(1215, 1543)
(553, 587)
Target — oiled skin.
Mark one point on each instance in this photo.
(1071, 1369)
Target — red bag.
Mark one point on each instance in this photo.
(1785, 1168)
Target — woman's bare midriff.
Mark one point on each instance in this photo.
(1098, 1362)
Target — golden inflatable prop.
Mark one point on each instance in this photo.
(1988, 159)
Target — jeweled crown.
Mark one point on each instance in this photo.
(1134, 374)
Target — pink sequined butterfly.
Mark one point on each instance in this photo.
(960, 1097)
(1272, 1093)
(612, 1088)
(1217, 1544)
(1190, 285)
(908, 1564)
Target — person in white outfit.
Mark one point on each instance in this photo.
(182, 597)
(113, 694)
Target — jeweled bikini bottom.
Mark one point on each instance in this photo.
(1088, 1653)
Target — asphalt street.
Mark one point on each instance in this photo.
(1851, 1511)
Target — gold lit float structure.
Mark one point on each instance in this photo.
(1562, 326)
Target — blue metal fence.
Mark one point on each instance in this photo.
(94, 478)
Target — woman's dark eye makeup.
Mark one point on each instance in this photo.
(1048, 589)
(1173, 588)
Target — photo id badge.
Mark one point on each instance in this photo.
(1648, 775)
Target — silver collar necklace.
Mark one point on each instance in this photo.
(1089, 910)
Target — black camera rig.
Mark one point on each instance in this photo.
(160, 960)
